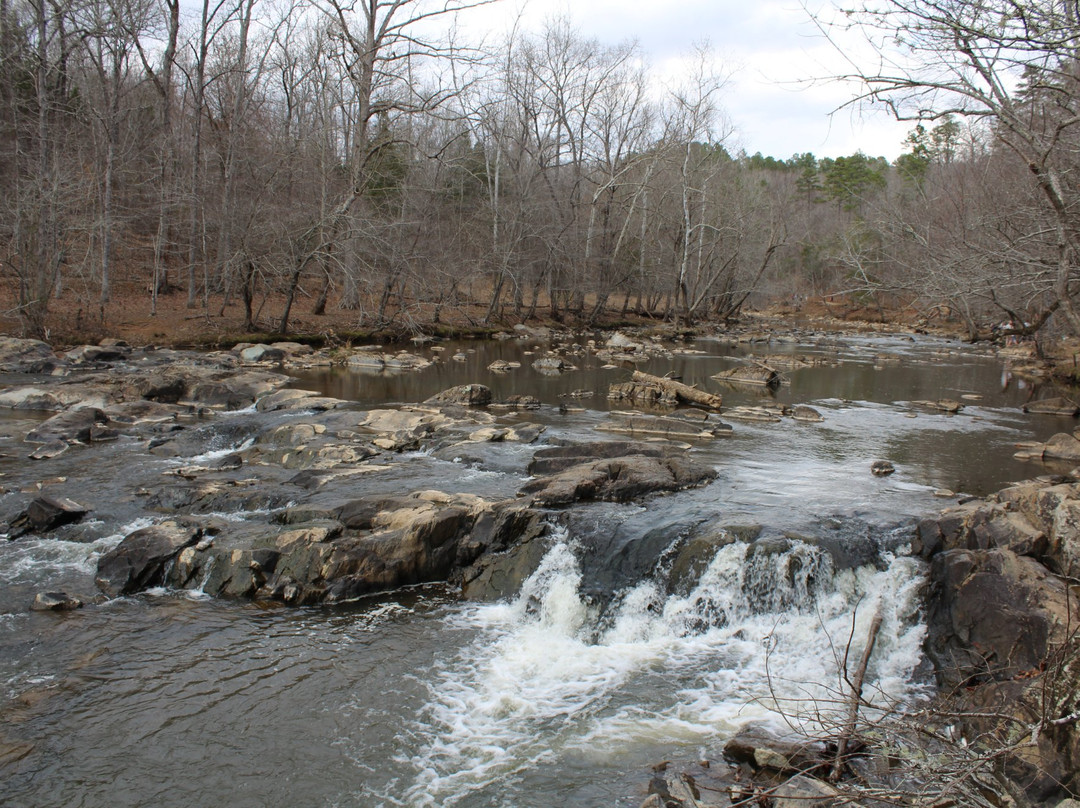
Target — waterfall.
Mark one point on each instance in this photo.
(552, 676)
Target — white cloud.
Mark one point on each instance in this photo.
(778, 99)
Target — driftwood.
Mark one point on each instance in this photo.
(682, 392)
(855, 699)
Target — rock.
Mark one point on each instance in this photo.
(643, 394)
(517, 402)
(467, 395)
(757, 375)
(764, 750)
(90, 354)
(992, 615)
(801, 412)
(70, 426)
(554, 459)
(502, 366)
(234, 391)
(946, 405)
(882, 468)
(262, 353)
(25, 356)
(1062, 446)
(806, 792)
(45, 513)
(553, 365)
(1053, 406)
(139, 561)
(49, 450)
(755, 414)
(389, 363)
(668, 426)
(622, 479)
(55, 602)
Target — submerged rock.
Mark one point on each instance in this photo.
(882, 468)
(55, 602)
(1053, 406)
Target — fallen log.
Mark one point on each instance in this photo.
(682, 392)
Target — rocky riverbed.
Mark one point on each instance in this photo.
(237, 485)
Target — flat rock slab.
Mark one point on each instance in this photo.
(620, 479)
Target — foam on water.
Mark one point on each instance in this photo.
(550, 676)
(34, 560)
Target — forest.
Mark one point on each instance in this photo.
(368, 162)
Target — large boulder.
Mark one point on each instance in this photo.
(992, 615)
(140, 560)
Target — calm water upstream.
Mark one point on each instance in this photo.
(562, 696)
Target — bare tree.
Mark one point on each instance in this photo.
(1013, 66)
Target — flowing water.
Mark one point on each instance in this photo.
(563, 695)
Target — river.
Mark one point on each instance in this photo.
(564, 695)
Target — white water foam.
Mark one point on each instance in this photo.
(36, 560)
(547, 678)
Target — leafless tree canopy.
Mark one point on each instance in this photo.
(360, 161)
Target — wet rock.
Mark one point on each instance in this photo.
(502, 366)
(291, 399)
(1053, 406)
(145, 412)
(45, 513)
(801, 412)
(139, 561)
(70, 426)
(693, 558)
(553, 365)
(49, 450)
(882, 468)
(55, 602)
(374, 361)
(754, 375)
(517, 402)
(763, 415)
(465, 395)
(216, 496)
(25, 356)
(945, 405)
(553, 459)
(762, 749)
(643, 394)
(676, 425)
(993, 615)
(622, 479)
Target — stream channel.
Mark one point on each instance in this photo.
(564, 695)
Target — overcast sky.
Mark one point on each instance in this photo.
(771, 49)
